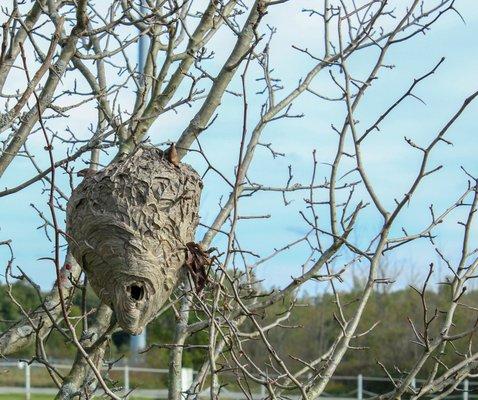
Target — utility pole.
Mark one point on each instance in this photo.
(138, 343)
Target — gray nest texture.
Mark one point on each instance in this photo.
(128, 226)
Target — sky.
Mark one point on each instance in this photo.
(390, 162)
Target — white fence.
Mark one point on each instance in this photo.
(126, 370)
(353, 387)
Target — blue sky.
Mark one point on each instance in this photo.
(388, 159)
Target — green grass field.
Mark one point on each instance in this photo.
(22, 397)
(42, 397)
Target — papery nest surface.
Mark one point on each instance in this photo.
(128, 226)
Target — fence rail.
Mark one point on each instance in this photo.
(347, 387)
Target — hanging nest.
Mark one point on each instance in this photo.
(128, 227)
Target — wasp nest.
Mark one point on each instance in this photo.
(128, 226)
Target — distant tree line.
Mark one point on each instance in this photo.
(391, 314)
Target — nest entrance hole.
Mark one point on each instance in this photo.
(136, 292)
